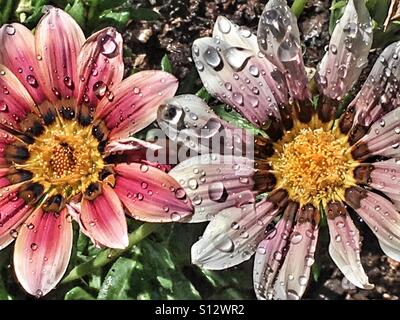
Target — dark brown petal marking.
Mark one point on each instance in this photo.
(54, 204)
(100, 131)
(264, 181)
(18, 134)
(262, 165)
(17, 176)
(360, 151)
(32, 125)
(274, 129)
(327, 109)
(31, 192)
(67, 113)
(347, 120)
(279, 197)
(16, 153)
(93, 191)
(335, 209)
(304, 111)
(307, 213)
(362, 174)
(291, 210)
(357, 133)
(354, 195)
(286, 115)
(48, 113)
(263, 148)
(85, 116)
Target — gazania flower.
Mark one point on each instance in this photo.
(66, 125)
(310, 160)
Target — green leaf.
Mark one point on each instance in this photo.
(166, 64)
(117, 18)
(315, 271)
(77, 11)
(203, 93)
(236, 119)
(118, 280)
(78, 293)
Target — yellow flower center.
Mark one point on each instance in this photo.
(64, 159)
(313, 165)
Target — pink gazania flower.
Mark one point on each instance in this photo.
(66, 145)
(312, 165)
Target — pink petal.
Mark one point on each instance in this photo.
(270, 253)
(6, 140)
(58, 41)
(214, 183)
(232, 235)
(150, 194)
(380, 215)
(104, 219)
(188, 120)
(348, 51)
(17, 53)
(13, 211)
(295, 271)
(100, 66)
(382, 139)
(15, 100)
(238, 77)
(344, 246)
(134, 102)
(279, 39)
(42, 251)
(378, 94)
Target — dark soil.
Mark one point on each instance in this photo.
(182, 22)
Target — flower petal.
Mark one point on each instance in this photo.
(103, 218)
(380, 215)
(14, 211)
(15, 100)
(348, 51)
(232, 235)
(188, 120)
(295, 271)
(42, 251)
(17, 53)
(134, 102)
(236, 76)
(58, 41)
(100, 66)
(344, 246)
(383, 138)
(379, 94)
(279, 39)
(150, 194)
(270, 253)
(214, 182)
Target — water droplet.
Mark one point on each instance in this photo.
(303, 280)
(217, 191)
(144, 167)
(69, 83)
(3, 106)
(237, 98)
(212, 57)
(277, 255)
(180, 193)
(223, 243)
(237, 57)
(254, 71)
(296, 237)
(338, 238)
(32, 81)
(108, 46)
(192, 183)
(34, 246)
(100, 89)
(175, 216)
(351, 29)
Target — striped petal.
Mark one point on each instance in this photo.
(133, 104)
(348, 51)
(58, 40)
(233, 235)
(150, 194)
(100, 66)
(279, 39)
(188, 120)
(42, 251)
(17, 53)
(103, 218)
(270, 253)
(380, 215)
(238, 77)
(344, 246)
(214, 182)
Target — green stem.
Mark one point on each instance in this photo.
(298, 7)
(109, 255)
